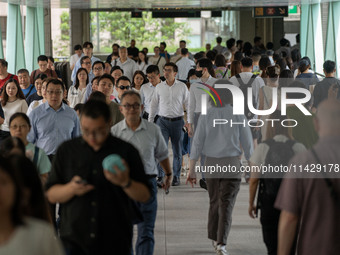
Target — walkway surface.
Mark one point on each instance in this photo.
(181, 225)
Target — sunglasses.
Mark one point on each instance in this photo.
(124, 87)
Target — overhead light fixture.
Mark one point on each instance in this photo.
(206, 14)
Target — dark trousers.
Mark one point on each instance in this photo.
(222, 196)
(145, 240)
(270, 222)
(270, 225)
(174, 131)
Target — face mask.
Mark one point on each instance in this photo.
(194, 81)
(199, 73)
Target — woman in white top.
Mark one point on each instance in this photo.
(142, 62)
(36, 103)
(266, 94)
(12, 101)
(276, 151)
(138, 80)
(21, 235)
(76, 93)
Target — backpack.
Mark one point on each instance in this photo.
(279, 153)
(244, 87)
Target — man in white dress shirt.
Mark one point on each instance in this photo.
(168, 100)
(184, 65)
(128, 65)
(195, 98)
(147, 90)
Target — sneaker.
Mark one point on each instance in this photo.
(214, 244)
(160, 182)
(203, 184)
(176, 181)
(221, 250)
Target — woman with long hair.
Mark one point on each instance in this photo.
(263, 64)
(76, 93)
(138, 80)
(235, 68)
(142, 62)
(12, 101)
(21, 232)
(221, 69)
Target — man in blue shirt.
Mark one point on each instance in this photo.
(53, 122)
(24, 82)
(163, 53)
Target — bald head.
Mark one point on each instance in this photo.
(327, 121)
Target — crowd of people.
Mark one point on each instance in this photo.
(55, 139)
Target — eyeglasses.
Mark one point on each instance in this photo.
(167, 70)
(56, 92)
(87, 63)
(102, 133)
(15, 127)
(124, 87)
(98, 69)
(129, 106)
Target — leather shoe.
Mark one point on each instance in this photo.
(203, 184)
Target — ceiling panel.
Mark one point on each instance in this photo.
(150, 4)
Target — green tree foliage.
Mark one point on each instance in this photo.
(121, 28)
(61, 43)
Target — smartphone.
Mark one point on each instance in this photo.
(81, 181)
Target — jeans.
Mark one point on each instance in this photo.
(145, 240)
(202, 158)
(173, 130)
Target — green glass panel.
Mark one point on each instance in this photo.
(15, 55)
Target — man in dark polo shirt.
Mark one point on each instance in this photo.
(96, 214)
(320, 92)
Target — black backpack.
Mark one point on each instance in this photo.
(279, 153)
(244, 87)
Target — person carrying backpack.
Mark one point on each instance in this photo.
(245, 80)
(277, 150)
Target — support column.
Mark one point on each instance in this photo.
(80, 27)
(47, 30)
(1, 46)
(247, 26)
(332, 52)
(15, 54)
(311, 35)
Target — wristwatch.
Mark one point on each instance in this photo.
(128, 184)
(169, 174)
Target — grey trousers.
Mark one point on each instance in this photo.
(222, 195)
